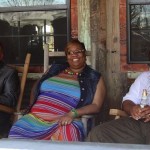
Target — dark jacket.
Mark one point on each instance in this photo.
(88, 80)
(9, 92)
(9, 85)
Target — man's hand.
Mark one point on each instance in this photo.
(136, 112)
(145, 113)
(140, 113)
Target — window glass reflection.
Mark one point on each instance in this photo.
(12, 3)
(140, 16)
(139, 49)
(28, 31)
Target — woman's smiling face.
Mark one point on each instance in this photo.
(76, 56)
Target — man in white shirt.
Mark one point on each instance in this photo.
(133, 129)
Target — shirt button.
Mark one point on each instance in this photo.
(82, 89)
(81, 81)
(82, 99)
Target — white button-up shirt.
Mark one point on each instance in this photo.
(136, 89)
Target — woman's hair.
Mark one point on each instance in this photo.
(74, 42)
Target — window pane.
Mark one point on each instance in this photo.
(139, 37)
(12, 3)
(28, 31)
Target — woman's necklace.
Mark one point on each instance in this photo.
(68, 71)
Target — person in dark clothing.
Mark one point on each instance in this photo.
(9, 92)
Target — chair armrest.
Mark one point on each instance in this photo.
(85, 119)
(117, 113)
(6, 109)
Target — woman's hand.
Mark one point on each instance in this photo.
(65, 119)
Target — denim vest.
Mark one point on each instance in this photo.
(88, 80)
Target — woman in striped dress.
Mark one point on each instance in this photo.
(63, 94)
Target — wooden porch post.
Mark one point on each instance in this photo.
(84, 34)
(115, 80)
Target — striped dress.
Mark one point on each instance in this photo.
(58, 95)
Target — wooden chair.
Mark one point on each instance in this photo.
(117, 113)
(24, 71)
(88, 122)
